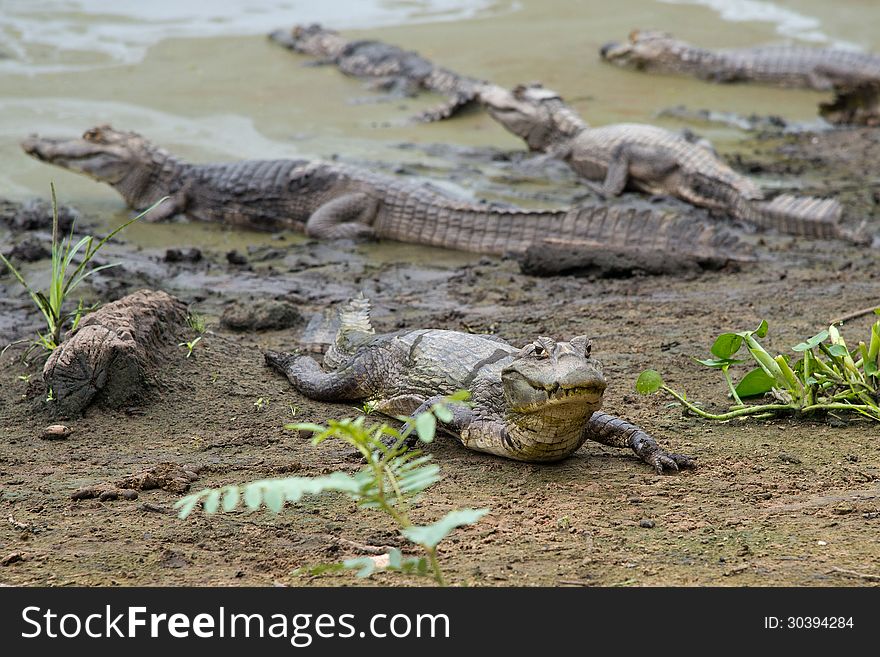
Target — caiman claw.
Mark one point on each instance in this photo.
(666, 462)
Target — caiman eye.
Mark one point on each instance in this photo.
(582, 344)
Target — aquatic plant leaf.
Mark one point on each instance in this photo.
(718, 363)
(726, 345)
(812, 342)
(649, 382)
(757, 382)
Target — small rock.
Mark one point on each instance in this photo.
(821, 543)
(785, 457)
(646, 524)
(236, 258)
(56, 432)
(11, 558)
(261, 315)
(183, 255)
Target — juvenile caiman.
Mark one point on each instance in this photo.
(650, 159)
(854, 76)
(331, 201)
(392, 68)
(538, 403)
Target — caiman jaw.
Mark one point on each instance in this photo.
(104, 162)
(535, 397)
(614, 50)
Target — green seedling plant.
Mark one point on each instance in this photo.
(827, 377)
(391, 481)
(190, 346)
(66, 276)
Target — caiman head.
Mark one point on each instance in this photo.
(533, 113)
(559, 378)
(124, 160)
(645, 50)
(311, 39)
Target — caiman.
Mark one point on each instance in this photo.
(854, 76)
(392, 69)
(328, 200)
(538, 403)
(653, 160)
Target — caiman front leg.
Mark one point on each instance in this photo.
(461, 418)
(640, 163)
(309, 379)
(345, 217)
(614, 432)
(172, 205)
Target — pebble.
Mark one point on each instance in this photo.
(56, 432)
(647, 524)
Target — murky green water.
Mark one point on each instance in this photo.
(234, 96)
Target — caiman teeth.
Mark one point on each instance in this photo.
(558, 392)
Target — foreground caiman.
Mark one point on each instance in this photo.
(538, 403)
(392, 68)
(328, 200)
(854, 76)
(653, 160)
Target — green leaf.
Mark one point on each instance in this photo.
(871, 369)
(426, 426)
(430, 535)
(186, 504)
(443, 413)
(253, 496)
(305, 427)
(364, 566)
(649, 382)
(726, 345)
(212, 502)
(230, 498)
(274, 499)
(756, 382)
(838, 350)
(459, 396)
(718, 363)
(761, 331)
(395, 558)
(812, 342)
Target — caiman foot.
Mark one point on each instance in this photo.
(663, 461)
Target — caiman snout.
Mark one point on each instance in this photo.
(606, 50)
(31, 146)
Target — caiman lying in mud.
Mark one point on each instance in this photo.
(332, 201)
(539, 403)
(393, 68)
(653, 160)
(853, 76)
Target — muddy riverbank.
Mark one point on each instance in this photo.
(781, 503)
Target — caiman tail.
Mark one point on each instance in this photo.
(625, 227)
(794, 215)
(354, 325)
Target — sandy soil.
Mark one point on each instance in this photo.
(771, 503)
